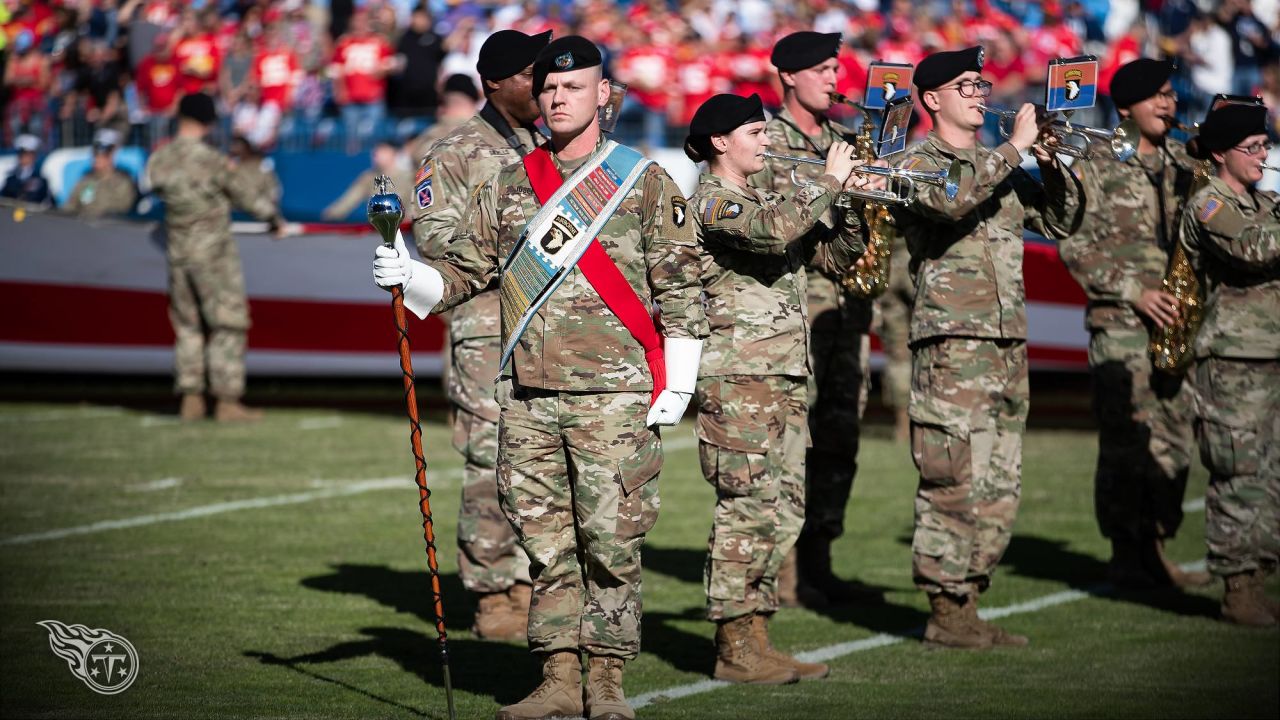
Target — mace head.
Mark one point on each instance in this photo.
(385, 209)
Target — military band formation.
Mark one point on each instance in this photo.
(550, 254)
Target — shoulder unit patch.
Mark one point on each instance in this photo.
(1211, 208)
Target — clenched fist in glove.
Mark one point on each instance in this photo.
(422, 284)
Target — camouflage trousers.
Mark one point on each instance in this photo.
(210, 317)
(837, 393)
(1238, 425)
(751, 443)
(490, 558)
(1145, 438)
(894, 327)
(575, 474)
(969, 403)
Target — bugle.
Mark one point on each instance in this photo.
(902, 183)
(1122, 141)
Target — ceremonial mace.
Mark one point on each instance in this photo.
(385, 213)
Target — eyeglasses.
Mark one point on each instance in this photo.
(967, 88)
(1254, 149)
(1171, 96)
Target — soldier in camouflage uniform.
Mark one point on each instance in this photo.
(206, 283)
(458, 102)
(577, 453)
(386, 160)
(1119, 256)
(751, 388)
(490, 559)
(969, 395)
(839, 323)
(1231, 234)
(105, 190)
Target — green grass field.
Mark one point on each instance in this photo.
(277, 570)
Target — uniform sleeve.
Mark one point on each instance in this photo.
(1214, 227)
(442, 203)
(931, 200)
(672, 257)
(754, 228)
(469, 261)
(1098, 273)
(358, 191)
(1055, 208)
(246, 196)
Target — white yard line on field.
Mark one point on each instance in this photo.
(161, 484)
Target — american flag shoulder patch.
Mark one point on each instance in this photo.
(426, 171)
(1211, 208)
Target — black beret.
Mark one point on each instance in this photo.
(725, 113)
(507, 52)
(571, 52)
(460, 83)
(801, 50)
(1138, 80)
(1227, 127)
(198, 107)
(941, 68)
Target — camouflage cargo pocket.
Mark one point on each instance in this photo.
(475, 437)
(642, 465)
(931, 542)
(740, 412)
(732, 474)
(939, 438)
(731, 559)
(1227, 450)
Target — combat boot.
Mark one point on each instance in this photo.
(791, 592)
(1271, 606)
(192, 408)
(739, 660)
(814, 555)
(559, 695)
(804, 670)
(605, 700)
(232, 410)
(1126, 570)
(1162, 568)
(497, 620)
(1242, 603)
(949, 627)
(998, 636)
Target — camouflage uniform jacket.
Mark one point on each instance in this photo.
(95, 196)
(825, 292)
(258, 174)
(1233, 242)
(755, 245)
(197, 186)
(455, 167)
(1121, 248)
(574, 342)
(966, 254)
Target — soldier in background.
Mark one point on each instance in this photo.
(206, 282)
(1231, 234)
(459, 100)
(253, 170)
(26, 181)
(490, 560)
(1120, 256)
(839, 323)
(386, 160)
(105, 189)
(969, 393)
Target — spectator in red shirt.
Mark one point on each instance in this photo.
(197, 56)
(1052, 40)
(751, 72)
(274, 79)
(361, 61)
(26, 79)
(648, 69)
(700, 73)
(157, 81)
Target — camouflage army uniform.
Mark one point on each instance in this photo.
(839, 349)
(206, 282)
(1144, 415)
(489, 557)
(422, 144)
(95, 196)
(257, 174)
(751, 386)
(575, 458)
(969, 395)
(894, 326)
(357, 193)
(1233, 242)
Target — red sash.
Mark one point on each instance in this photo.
(604, 276)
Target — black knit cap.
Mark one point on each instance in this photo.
(507, 52)
(802, 50)
(198, 107)
(725, 113)
(1227, 127)
(1138, 80)
(460, 83)
(941, 68)
(571, 52)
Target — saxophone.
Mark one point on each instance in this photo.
(1172, 347)
(870, 279)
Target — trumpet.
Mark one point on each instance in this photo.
(902, 183)
(1123, 140)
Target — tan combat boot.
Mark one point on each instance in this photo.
(1268, 604)
(998, 636)
(804, 670)
(519, 596)
(1177, 576)
(1243, 603)
(232, 410)
(497, 620)
(559, 695)
(192, 408)
(949, 626)
(739, 658)
(605, 700)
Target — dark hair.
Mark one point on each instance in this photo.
(698, 148)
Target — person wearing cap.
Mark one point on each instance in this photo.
(459, 101)
(104, 190)
(969, 393)
(254, 171)
(752, 394)
(491, 562)
(1231, 234)
(26, 182)
(206, 282)
(583, 391)
(386, 159)
(1119, 256)
(839, 326)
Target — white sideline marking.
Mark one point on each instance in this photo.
(54, 415)
(161, 484)
(831, 652)
(321, 493)
(158, 421)
(321, 423)
(1193, 505)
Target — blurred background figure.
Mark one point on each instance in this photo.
(105, 189)
(25, 182)
(361, 62)
(459, 102)
(253, 169)
(26, 80)
(388, 161)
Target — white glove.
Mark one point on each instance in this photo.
(422, 284)
(682, 357)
